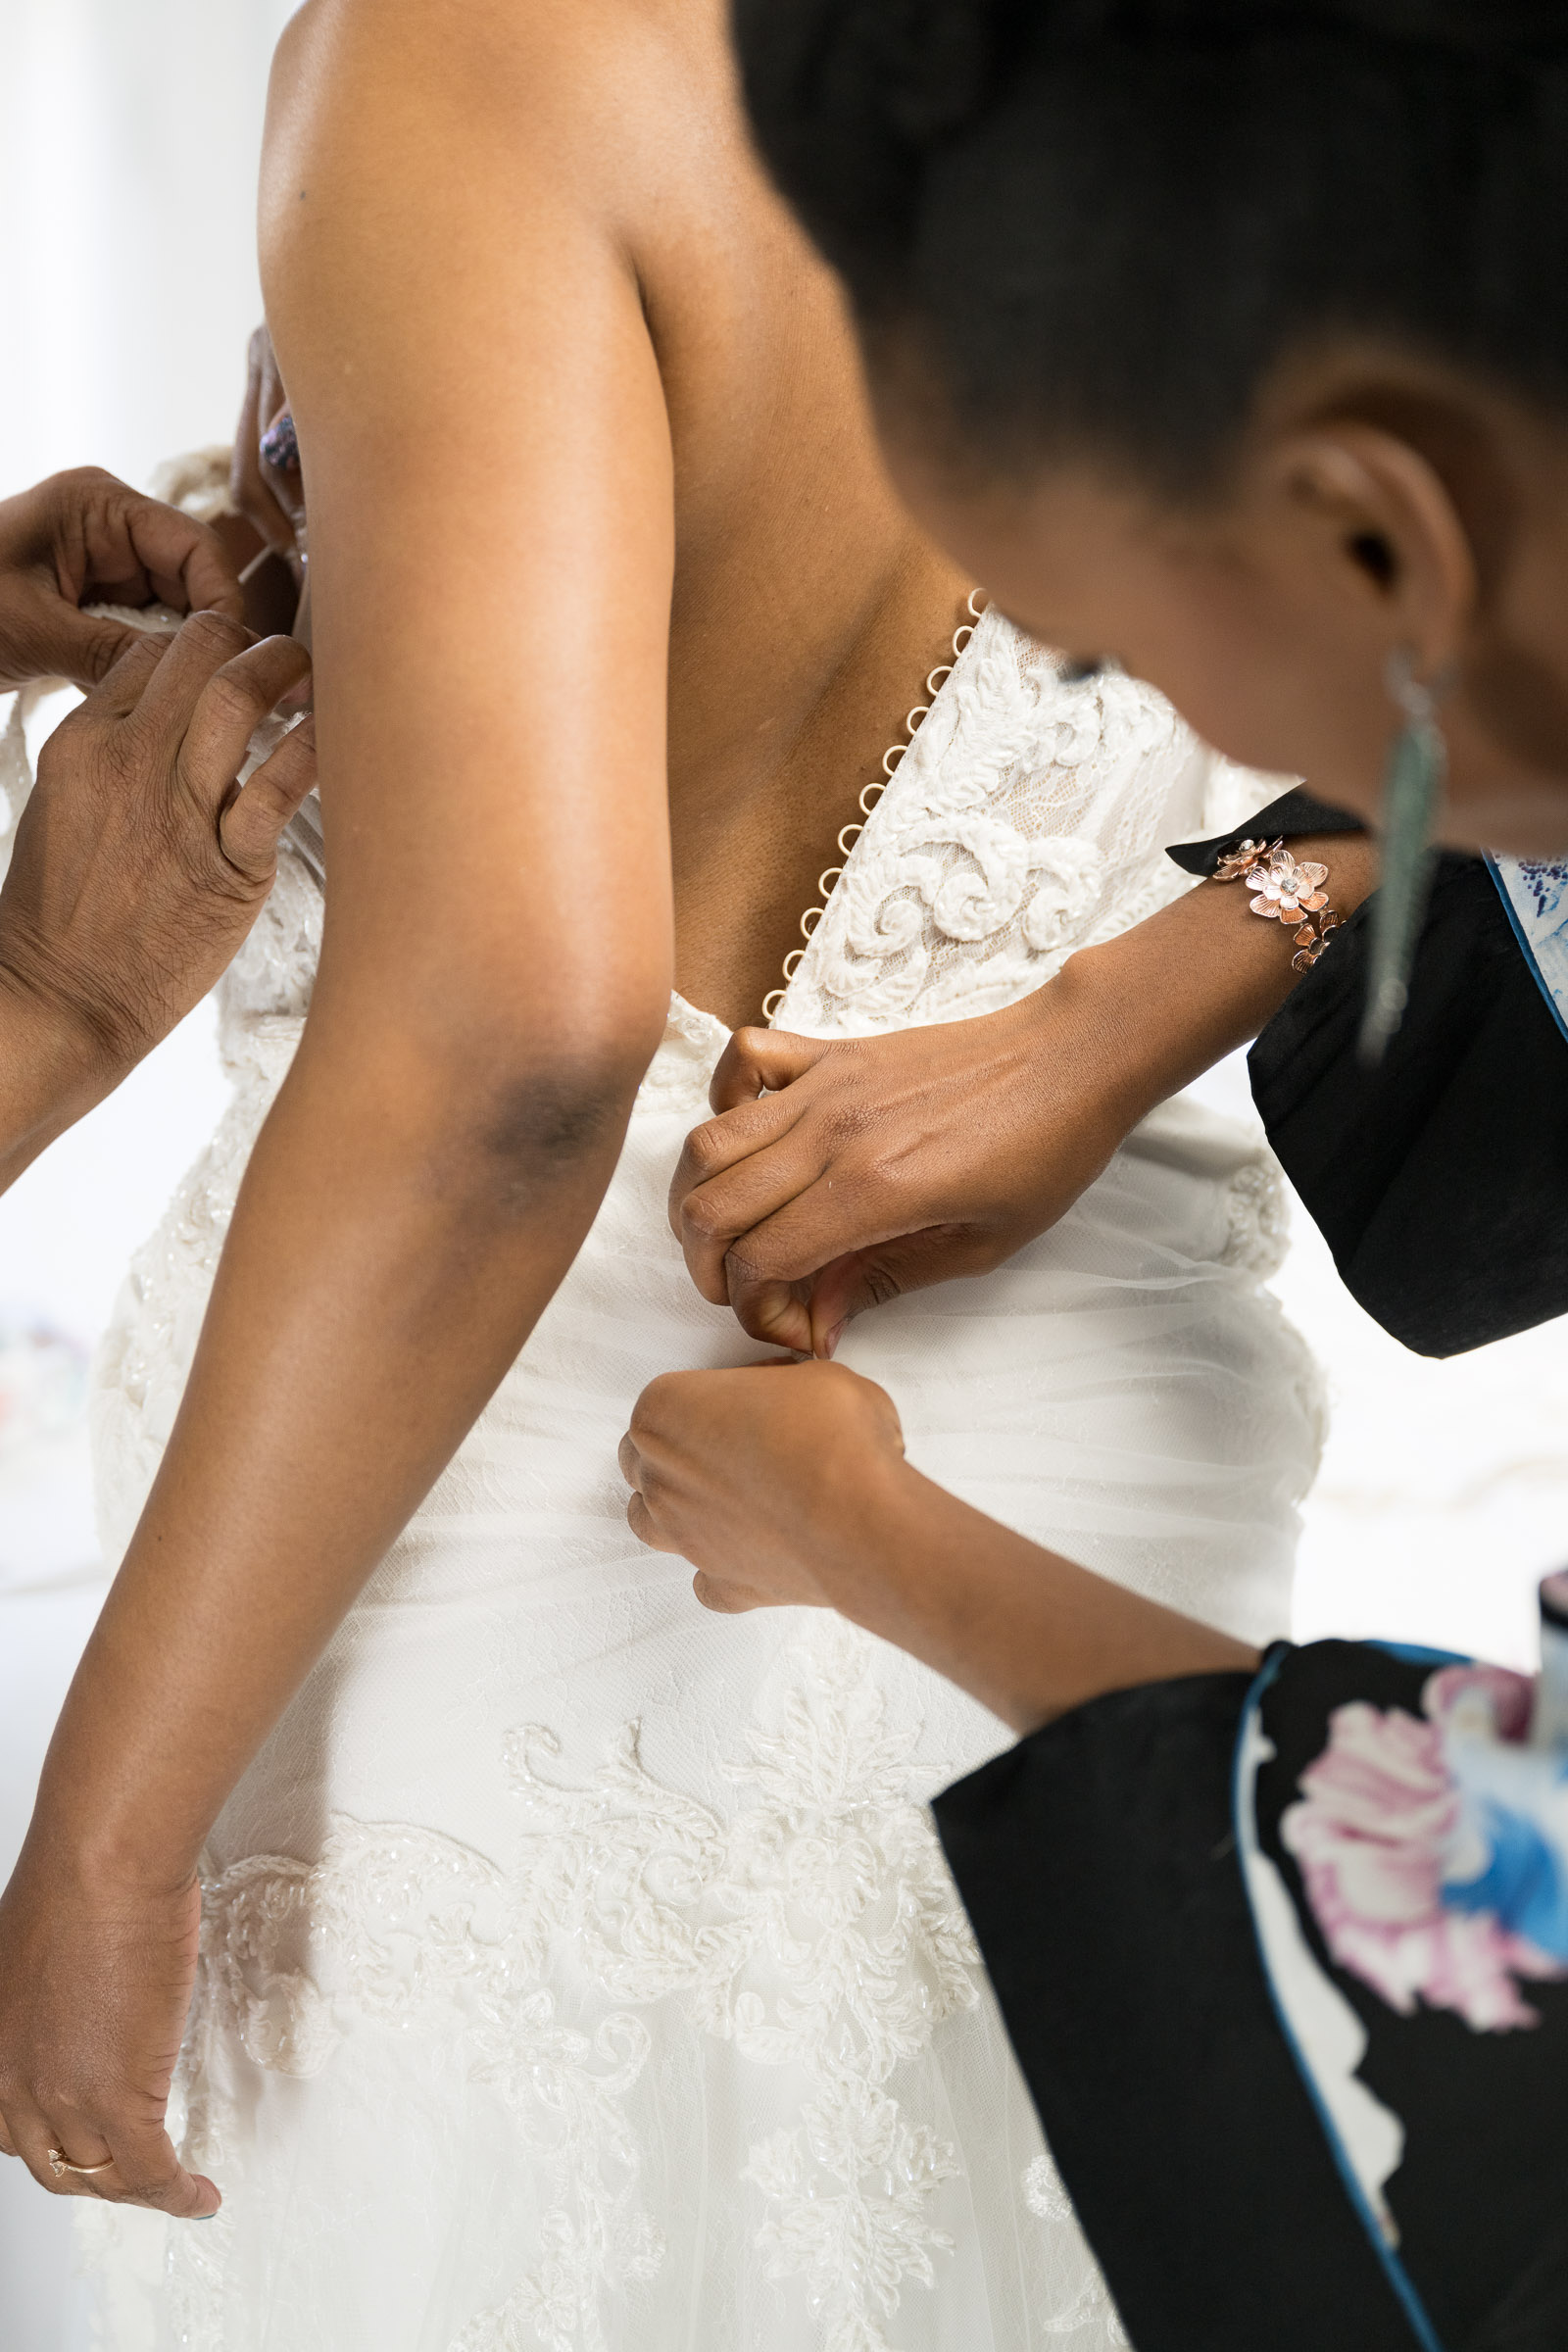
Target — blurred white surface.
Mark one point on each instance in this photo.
(128, 137)
(1443, 1493)
(128, 145)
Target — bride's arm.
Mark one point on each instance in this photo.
(489, 478)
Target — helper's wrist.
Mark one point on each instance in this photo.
(1102, 1001)
(1161, 1002)
(53, 1067)
(861, 1549)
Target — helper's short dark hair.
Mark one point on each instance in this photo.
(1105, 220)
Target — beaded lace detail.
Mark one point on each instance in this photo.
(870, 794)
(1027, 818)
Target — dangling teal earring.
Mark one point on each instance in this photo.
(1412, 786)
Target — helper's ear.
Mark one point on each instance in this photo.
(1373, 526)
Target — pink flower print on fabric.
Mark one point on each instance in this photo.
(1488, 1701)
(1379, 1818)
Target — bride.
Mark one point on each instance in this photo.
(575, 1969)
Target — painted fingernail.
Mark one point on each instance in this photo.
(280, 445)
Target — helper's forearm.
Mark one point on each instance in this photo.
(1028, 1633)
(1180, 991)
(378, 1281)
(49, 1078)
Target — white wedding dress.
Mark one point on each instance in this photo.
(579, 1970)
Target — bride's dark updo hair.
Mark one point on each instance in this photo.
(1104, 219)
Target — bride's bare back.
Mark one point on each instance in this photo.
(532, 293)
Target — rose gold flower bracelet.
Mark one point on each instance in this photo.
(1283, 892)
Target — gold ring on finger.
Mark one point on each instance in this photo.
(59, 2163)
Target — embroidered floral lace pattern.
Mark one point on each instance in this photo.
(816, 1927)
(1027, 818)
(1046, 2197)
(413, 1928)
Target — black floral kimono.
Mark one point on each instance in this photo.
(1286, 1965)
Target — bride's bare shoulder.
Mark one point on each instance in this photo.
(513, 123)
(522, 144)
(575, 69)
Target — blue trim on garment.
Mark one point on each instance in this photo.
(1397, 2275)
(1545, 941)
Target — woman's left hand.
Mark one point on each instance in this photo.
(752, 1475)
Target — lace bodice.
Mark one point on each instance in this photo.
(1027, 819)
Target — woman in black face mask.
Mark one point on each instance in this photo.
(1228, 341)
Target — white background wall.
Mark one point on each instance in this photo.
(128, 132)
(128, 136)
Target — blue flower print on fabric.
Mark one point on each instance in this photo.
(1534, 891)
(1513, 1825)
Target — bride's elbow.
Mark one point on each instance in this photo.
(539, 1116)
(492, 1106)
(547, 1119)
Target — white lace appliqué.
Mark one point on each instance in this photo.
(1027, 819)
(816, 1927)
(1045, 2195)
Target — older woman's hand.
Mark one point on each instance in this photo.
(138, 865)
(85, 538)
(756, 1475)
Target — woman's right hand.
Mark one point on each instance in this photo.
(839, 1173)
(876, 1165)
(95, 1983)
